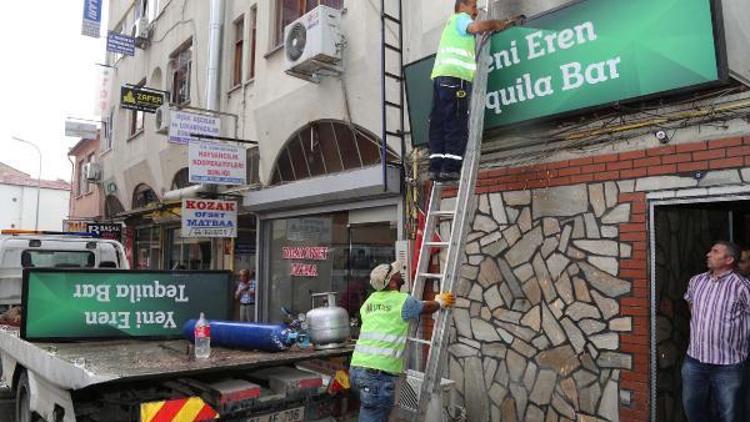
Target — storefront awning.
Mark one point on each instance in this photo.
(350, 186)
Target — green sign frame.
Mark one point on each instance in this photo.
(74, 304)
(586, 55)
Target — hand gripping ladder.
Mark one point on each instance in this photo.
(431, 378)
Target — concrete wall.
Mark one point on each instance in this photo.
(19, 207)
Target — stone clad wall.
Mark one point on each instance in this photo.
(552, 322)
(538, 321)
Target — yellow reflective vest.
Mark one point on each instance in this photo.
(456, 53)
(382, 339)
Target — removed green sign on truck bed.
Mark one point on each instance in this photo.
(74, 304)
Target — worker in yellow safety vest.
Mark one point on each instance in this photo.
(378, 357)
(452, 75)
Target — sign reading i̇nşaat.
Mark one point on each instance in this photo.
(590, 54)
(73, 304)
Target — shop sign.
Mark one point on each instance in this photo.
(111, 231)
(184, 124)
(591, 54)
(209, 218)
(310, 253)
(140, 99)
(75, 226)
(92, 18)
(105, 92)
(216, 163)
(73, 304)
(81, 129)
(120, 44)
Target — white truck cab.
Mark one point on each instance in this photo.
(19, 250)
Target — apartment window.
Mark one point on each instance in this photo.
(89, 160)
(136, 117)
(81, 178)
(253, 24)
(180, 65)
(288, 11)
(239, 31)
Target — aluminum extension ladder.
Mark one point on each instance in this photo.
(415, 397)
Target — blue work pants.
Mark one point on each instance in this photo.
(449, 123)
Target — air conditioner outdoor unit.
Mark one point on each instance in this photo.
(92, 171)
(141, 32)
(312, 43)
(162, 119)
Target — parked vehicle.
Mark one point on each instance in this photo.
(28, 249)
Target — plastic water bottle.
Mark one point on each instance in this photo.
(202, 336)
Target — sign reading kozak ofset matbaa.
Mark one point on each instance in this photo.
(216, 163)
(209, 218)
(184, 125)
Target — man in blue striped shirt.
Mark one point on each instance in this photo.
(719, 332)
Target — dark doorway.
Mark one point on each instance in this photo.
(683, 234)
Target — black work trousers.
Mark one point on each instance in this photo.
(449, 123)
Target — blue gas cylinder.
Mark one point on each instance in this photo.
(245, 335)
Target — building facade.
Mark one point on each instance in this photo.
(570, 299)
(86, 201)
(317, 159)
(21, 194)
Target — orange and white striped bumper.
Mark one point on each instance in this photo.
(181, 410)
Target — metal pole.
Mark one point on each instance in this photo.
(38, 179)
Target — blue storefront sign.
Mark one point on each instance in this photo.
(92, 18)
(120, 44)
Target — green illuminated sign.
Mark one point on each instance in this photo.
(589, 54)
(74, 304)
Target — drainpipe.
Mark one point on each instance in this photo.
(213, 87)
(213, 79)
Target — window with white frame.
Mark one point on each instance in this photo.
(137, 117)
(239, 40)
(180, 65)
(252, 38)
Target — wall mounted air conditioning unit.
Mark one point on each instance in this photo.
(312, 43)
(92, 171)
(141, 32)
(162, 119)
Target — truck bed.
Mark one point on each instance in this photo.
(82, 364)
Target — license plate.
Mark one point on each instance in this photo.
(290, 415)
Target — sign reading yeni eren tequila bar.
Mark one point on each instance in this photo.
(75, 304)
(590, 54)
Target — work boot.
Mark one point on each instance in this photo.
(449, 176)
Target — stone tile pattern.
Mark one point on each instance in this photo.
(537, 331)
(682, 236)
(622, 180)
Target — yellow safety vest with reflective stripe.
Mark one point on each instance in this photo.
(382, 339)
(456, 53)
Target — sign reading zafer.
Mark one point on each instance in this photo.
(209, 218)
(589, 54)
(74, 304)
(140, 99)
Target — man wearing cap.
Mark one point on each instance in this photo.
(378, 360)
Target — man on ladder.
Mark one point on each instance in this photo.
(452, 75)
(378, 361)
